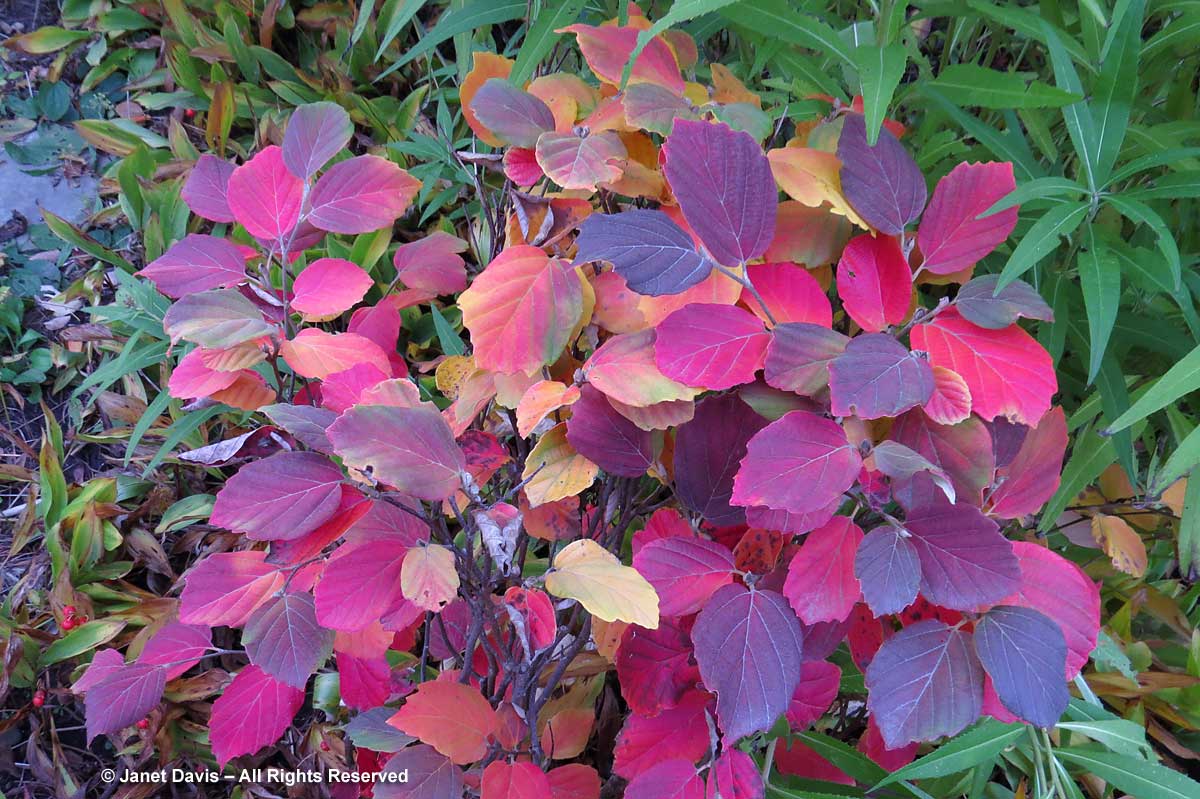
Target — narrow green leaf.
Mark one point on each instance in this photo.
(1189, 531)
(879, 73)
(1141, 778)
(1029, 22)
(365, 9)
(1180, 36)
(1090, 456)
(1100, 276)
(848, 759)
(1180, 462)
(1181, 379)
(447, 338)
(393, 16)
(1039, 189)
(1169, 157)
(1042, 239)
(145, 422)
(80, 640)
(542, 36)
(1139, 212)
(1119, 735)
(1116, 87)
(1001, 145)
(980, 744)
(1078, 116)
(77, 238)
(180, 430)
(478, 14)
(973, 85)
(778, 19)
(1175, 186)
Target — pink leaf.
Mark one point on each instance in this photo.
(412, 449)
(282, 497)
(284, 639)
(670, 779)
(874, 282)
(317, 354)
(950, 402)
(341, 390)
(264, 196)
(105, 663)
(654, 667)
(679, 732)
(819, 683)
(315, 133)
(685, 571)
(791, 293)
(360, 195)
(363, 682)
(122, 697)
(575, 161)
(433, 263)
(1026, 483)
(1008, 372)
(361, 582)
(206, 188)
(607, 49)
(799, 463)
(192, 379)
(514, 116)
(329, 286)
(821, 585)
(734, 775)
(196, 263)
(502, 780)
(710, 346)
(174, 643)
(254, 711)
(225, 588)
(963, 451)
(951, 238)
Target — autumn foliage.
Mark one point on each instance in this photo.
(703, 436)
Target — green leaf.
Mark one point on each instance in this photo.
(1100, 276)
(180, 430)
(77, 238)
(1181, 379)
(681, 11)
(978, 745)
(393, 16)
(848, 759)
(1116, 87)
(1029, 23)
(1078, 115)
(1180, 462)
(542, 36)
(1189, 531)
(447, 338)
(879, 73)
(973, 85)
(1169, 157)
(365, 9)
(478, 14)
(1175, 186)
(1042, 239)
(80, 640)
(186, 512)
(1143, 214)
(1141, 778)
(1180, 36)
(778, 19)
(1039, 189)
(1119, 735)
(1001, 145)
(1090, 456)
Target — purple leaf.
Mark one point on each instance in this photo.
(822, 638)
(652, 253)
(282, 497)
(515, 116)
(178, 647)
(888, 569)
(602, 435)
(877, 376)
(765, 518)
(1025, 654)
(799, 355)
(965, 561)
(206, 188)
(963, 451)
(684, 571)
(315, 133)
(431, 775)
(306, 422)
(979, 303)
(725, 188)
(123, 697)
(901, 463)
(748, 646)
(883, 182)
(708, 450)
(284, 639)
(923, 683)
(655, 108)
(196, 263)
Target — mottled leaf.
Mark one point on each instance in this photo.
(281, 497)
(196, 263)
(315, 133)
(799, 354)
(361, 194)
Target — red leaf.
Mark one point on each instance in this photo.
(685, 571)
(883, 183)
(363, 682)
(607, 50)
(315, 133)
(423, 461)
(748, 647)
(710, 346)
(951, 238)
(965, 561)
(329, 286)
(654, 667)
(1060, 589)
(799, 463)
(225, 588)
(206, 188)
(123, 696)
(342, 390)
(452, 718)
(433, 263)
(282, 497)
(537, 612)
(521, 166)
(254, 711)
(602, 435)
(724, 186)
(950, 402)
(874, 282)
(1026, 483)
(708, 450)
(196, 263)
(362, 194)
(679, 732)
(503, 780)
(284, 639)
(821, 585)
(734, 775)
(574, 781)
(317, 354)
(361, 582)
(264, 196)
(1008, 372)
(791, 293)
(670, 779)
(877, 377)
(178, 647)
(871, 744)
(799, 355)
(819, 683)
(865, 636)
(191, 378)
(800, 760)
(924, 683)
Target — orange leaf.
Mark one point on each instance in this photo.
(315, 353)
(452, 718)
(1121, 543)
(543, 398)
(428, 577)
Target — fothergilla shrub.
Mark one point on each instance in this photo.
(702, 440)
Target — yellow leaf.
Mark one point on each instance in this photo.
(554, 470)
(812, 177)
(586, 572)
(428, 578)
(1121, 543)
(542, 399)
(451, 373)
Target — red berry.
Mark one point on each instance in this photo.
(39, 698)
(80, 620)
(68, 623)
(324, 746)
(68, 610)
(189, 113)
(143, 724)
